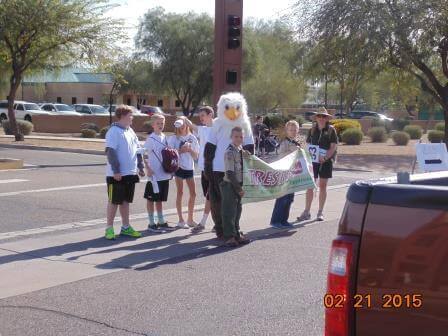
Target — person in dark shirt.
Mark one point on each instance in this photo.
(260, 131)
(322, 141)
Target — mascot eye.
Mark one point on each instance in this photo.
(227, 107)
(238, 107)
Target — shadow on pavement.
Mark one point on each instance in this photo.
(148, 255)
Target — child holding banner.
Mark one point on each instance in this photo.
(232, 190)
(290, 144)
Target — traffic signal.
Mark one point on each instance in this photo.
(231, 77)
(234, 32)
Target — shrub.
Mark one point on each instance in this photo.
(378, 134)
(274, 121)
(440, 127)
(435, 136)
(399, 124)
(352, 136)
(25, 127)
(387, 125)
(88, 133)
(400, 138)
(414, 131)
(343, 124)
(299, 119)
(90, 126)
(147, 127)
(103, 132)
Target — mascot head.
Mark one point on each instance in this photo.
(232, 110)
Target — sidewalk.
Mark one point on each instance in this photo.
(53, 259)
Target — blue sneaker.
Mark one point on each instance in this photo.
(287, 225)
(277, 226)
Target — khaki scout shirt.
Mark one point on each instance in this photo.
(233, 162)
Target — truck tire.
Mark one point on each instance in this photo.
(28, 118)
(3, 117)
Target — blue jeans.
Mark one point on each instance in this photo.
(282, 206)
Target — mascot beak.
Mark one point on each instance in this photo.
(232, 113)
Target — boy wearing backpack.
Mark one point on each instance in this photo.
(157, 187)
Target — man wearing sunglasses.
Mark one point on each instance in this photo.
(322, 141)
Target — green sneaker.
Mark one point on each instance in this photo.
(110, 234)
(130, 232)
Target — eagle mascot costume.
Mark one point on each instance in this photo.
(232, 112)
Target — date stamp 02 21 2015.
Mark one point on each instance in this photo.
(388, 301)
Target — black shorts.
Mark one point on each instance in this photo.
(161, 196)
(205, 184)
(323, 170)
(121, 191)
(184, 174)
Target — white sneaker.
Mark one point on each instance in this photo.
(182, 225)
(304, 216)
(192, 224)
(320, 216)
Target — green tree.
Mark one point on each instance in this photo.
(42, 34)
(411, 35)
(139, 77)
(181, 46)
(272, 70)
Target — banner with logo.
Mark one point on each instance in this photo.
(265, 181)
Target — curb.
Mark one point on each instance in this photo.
(11, 164)
(54, 149)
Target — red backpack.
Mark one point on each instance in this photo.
(170, 158)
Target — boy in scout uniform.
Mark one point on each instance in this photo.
(232, 190)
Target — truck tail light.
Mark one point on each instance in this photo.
(338, 301)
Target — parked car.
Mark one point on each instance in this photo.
(388, 266)
(363, 114)
(309, 115)
(150, 110)
(62, 109)
(22, 109)
(114, 107)
(91, 109)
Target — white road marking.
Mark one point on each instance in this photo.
(12, 181)
(83, 186)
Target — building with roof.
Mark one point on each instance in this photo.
(67, 85)
(83, 86)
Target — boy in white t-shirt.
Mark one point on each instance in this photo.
(187, 145)
(156, 191)
(124, 162)
(206, 115)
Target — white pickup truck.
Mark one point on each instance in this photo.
(23, 110)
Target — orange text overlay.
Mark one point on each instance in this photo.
(388, 301)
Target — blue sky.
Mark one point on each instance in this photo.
(132, 10)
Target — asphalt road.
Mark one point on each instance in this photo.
(64, 188)
(273, 286)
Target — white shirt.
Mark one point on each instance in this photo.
(203, 133)
(125, 143)
(186, 161)
(154, 145)
(222, 140)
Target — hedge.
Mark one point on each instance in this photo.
(400, 138)
(377, 134)
(352, 136)
(415, 132)
(25, 127)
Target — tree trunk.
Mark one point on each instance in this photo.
(15, 82)
(446, 128)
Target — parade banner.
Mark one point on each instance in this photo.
(265, 181)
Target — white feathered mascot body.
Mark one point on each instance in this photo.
(232, 112)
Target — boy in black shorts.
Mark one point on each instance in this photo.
(322, 141)
(156, 191)
(124, 162)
